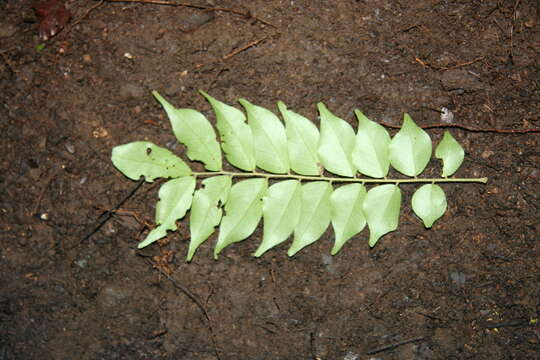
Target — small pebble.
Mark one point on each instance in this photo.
(458, 278)
(447, 116)
(131, 91)
(70, 148)
(7, 30)
(81, 263)
(487, 154)
(100, 133)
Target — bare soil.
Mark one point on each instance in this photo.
(466, 289)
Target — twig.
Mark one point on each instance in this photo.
(431, 317)
(193, 297)
(468, 128)
(233, 53)
(514, 18)
(444, 68)
(312, 346)
(104, 217)
(86, 13)
(82, 17)
(393, 346)
(42, 193)
(202, 7)
(510, 323)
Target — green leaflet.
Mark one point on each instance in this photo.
(303, 140)
(370, 155)
(175, 199)
(269, 135)
(192, 129)
(281, 212)
(336, 143)
(314, 215)
(347, 214)
(429, 203)
(410, 149)
(236, 135)
(381, 209)
(243, 212)
(143, 158)
(205, 213)
(451, 153)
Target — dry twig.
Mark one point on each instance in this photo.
(393, 346)
(104, 217)
(233, 53)
(201, 7)
(468, 128)
(193, 297)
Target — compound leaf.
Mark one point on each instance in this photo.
(410, 149)
(143, 158)
(243, 212)
(451, 153)
(205, 212)
(303, 140)
(336, 143)
(381, 209)
(347, 214)
(370, 153)
(314, 215)
(270, 139)
(429, 203)
(281, 212)
(174, 200)
(193, 129)
(236, 135)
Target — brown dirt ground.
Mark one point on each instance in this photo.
(466, 289)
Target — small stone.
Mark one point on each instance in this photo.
(447, 116)
(81, 263)
(487, 154)
(458, 278)
(7, 30)
(112, 296)
(70, 148)
(100, 132)
(460, 80)
(131, 91)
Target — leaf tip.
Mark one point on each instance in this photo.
(244, 102)
(291, 252)
(322, 108)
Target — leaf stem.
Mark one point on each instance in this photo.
(341, 179)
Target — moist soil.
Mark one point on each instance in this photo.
(468, 288)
